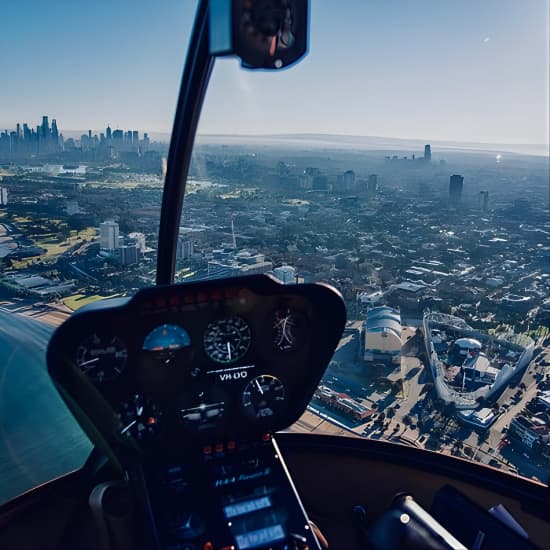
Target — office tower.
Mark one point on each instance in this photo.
(286, 274)
(455, 188)
(45, 129)
(349, 179)
(139, 240)
(108, 133)
(484, 200)
(135, 137)
(55, 134)
(108, 235)
(128, 254)
(186, 245)
(372, 183)
(118, 136)
(427, 153)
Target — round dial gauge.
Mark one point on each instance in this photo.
(263, 397)
(288, 329)
(101, 357)
(139, 417)
(227, 340)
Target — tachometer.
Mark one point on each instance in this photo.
(101, 357)
(227, 340)
(263, 397)
(139, 417)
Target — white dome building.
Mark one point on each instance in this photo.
(383, 334)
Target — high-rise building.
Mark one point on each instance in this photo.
(139, 240)
(372, 183)
(484, 200)
(45, 128)
(455, 188)
(128, 254)
(3, 196)
(108, 132)
(428, 153)
(108, 235)
(349, 179)
(185, 247)
(286, 274)
(55, 132)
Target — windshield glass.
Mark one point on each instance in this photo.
(88, 98)
(405, 162)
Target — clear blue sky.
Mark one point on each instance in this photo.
(463, 70)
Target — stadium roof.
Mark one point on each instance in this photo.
(383, 319)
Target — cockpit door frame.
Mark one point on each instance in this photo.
(196, 75)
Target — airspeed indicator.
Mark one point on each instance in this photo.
(227, 340)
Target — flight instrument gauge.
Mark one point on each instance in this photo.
(139, 417)
(101, 357)
(263, 397)
(167, 338)
(227, 340)
(288, 329)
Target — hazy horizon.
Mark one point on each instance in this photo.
(368, 142)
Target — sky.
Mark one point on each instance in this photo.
(468, 70)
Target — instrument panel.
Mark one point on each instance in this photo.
(192, 363)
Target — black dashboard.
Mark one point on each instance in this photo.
(182, 386)
(192, 364)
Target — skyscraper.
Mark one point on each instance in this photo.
(372, 184)
(108, 132)
(45, 128)
(484, 200)
(349, 180)
(428, 153)
(108, 235)
(455, 188)
(55, 132)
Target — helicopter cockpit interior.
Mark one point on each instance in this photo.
(186, 390)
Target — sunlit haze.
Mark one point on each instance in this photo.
(461, 71)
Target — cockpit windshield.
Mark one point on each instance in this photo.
(404, 162)
(88, 99)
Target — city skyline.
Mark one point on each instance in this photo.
(366, 142)
(438, 73)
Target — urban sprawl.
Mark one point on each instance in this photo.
(441, 257)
